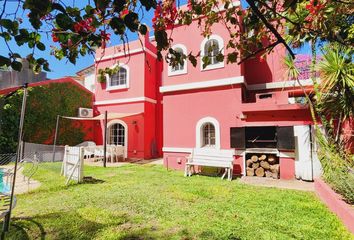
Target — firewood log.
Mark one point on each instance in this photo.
(255, 165)
(263, 157)
(249, 162)
(275, 175)
(271, 159)
(268, 174)
(265, 165)
(274, 168)
(254, 158)
(250, 171)
(260, 172)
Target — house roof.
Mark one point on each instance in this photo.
(86, 70)
(47, 82)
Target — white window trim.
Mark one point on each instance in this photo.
(202, 48)
(111, 88)
(110, 123)
(199, 132)
(184, 70)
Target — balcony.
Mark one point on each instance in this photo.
(271, 101)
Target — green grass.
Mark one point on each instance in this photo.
(149, 202)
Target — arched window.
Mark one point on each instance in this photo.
(178, 66)
(120, 78)
(208, 135)
(117, 134)
(212, 49)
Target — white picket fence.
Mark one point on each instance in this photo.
(73, 163)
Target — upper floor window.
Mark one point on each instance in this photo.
(119, 80)
(178, 66)
(211, 50)
(211, 47)
(181, 67)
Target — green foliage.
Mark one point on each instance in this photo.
(44, 103)
(338, 168)
(333, 102)
(149, 202)
(103, 73)
(292, 72)
(258, 28)
(336, 98)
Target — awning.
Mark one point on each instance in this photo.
(102, 117)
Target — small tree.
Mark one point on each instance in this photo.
(333, 103)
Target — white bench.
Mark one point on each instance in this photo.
(210, 158)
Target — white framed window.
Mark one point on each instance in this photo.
(119, 80)
(179, 68)
(211, 47)
(117, 134)
(208, 133)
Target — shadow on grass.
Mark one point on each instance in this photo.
(57, 225)
(91, 180)
(75, 225)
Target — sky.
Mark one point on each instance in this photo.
(61, 68)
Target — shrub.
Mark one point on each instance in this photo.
(44, 103)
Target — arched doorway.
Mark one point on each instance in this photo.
(117, 134)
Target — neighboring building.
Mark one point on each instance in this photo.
(246, 109)
(10, 78)
(87, 78)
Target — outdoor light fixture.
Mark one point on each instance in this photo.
(243, 116)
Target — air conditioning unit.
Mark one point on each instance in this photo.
(85, 112)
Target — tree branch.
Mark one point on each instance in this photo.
(270, 27)
(271, 46)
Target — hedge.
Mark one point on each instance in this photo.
(44, 103)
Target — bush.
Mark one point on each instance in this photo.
(337, 169)
(44, 103)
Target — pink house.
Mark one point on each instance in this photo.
(244, 109)
(247, 109)
(134, 89)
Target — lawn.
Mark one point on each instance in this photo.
(149, 202)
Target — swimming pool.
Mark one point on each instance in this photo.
(4, 187)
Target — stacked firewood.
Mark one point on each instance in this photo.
(263, 166)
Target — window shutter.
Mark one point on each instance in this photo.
(285, 138)
(237, 137)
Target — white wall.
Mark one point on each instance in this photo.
(307, 165)
(89, 82)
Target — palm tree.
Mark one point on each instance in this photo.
(335, 97)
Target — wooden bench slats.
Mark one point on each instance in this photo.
(196, 159)
(215, 158)
(211, 158)
(219, 163)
